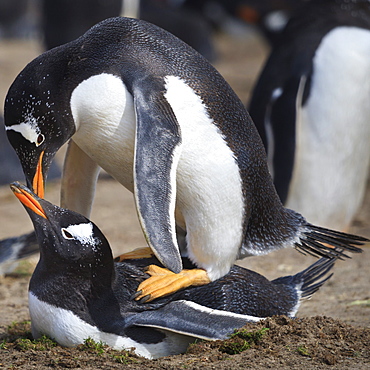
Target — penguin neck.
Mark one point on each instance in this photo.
(87, 292)
(71, 280)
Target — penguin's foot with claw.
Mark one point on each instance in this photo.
(163, 282)
(137, 253)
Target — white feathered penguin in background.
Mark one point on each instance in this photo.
(311, 108)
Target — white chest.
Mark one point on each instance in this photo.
(333, 131)
(209, 189)
(103, 111)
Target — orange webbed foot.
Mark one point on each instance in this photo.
(163, 282)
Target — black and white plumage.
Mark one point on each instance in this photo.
(153, 113)
(77, 291)
(310, 106)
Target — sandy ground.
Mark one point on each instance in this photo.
(114, 212)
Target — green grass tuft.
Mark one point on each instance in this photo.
(123, 357)
(96, 347)
(41, 344)
(302, 350)
(242, 340)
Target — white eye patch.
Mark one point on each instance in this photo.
(28, 129)
(81, 232)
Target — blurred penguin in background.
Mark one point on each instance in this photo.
(311, 108)
(65, 20)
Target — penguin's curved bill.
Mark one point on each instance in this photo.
(27, 198)
(38, 179)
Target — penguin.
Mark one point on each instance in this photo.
(78, 291)
(310, 108)
(11, 169)
(136, 101)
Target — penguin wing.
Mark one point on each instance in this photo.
(157, 148)
(189, 318)
(274, 108)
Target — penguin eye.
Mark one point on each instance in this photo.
(40, 139)
(66, 234)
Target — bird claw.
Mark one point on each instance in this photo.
(136, 294)
(146, 298)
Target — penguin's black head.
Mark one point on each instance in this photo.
(37, 121)
(66, 238)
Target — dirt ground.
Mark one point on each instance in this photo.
(333, 329)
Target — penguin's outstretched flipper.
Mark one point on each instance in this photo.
(189, 318)
(210, 323)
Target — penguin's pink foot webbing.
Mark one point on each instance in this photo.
(163, 282)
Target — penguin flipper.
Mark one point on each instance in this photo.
(158, 141)
(275, 106)
(16, 248)
(281, 123)
(189, 318)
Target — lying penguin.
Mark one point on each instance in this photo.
(78, 291)
(310, 106)
(138, 102)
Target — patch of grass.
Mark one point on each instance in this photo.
(254, 336)
(123, 357)
(101, 349)
(302, 350)
(96, 347)
(242, 340)
(18, 339)
(17, 330)
(41, 344)
(17, 326)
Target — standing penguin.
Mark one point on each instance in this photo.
(141, 104)
(77, 291)
(310, 106)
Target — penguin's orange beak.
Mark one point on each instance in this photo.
(38, 179)
(27, 199)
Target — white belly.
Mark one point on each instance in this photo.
(209, 201)
(209, 190)
(333, 132)
(69, 330)
(103, 111)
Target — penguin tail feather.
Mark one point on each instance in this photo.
(313, 277)
(321, 242)
(310, 280)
